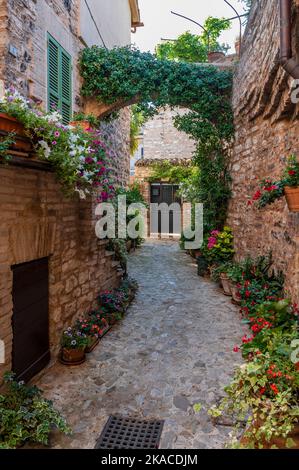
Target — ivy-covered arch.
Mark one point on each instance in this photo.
(120, 77)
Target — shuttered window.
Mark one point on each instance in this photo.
(59, 80)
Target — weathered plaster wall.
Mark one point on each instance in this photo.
(266, 133)
(113, 21)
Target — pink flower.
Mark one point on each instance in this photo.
(215, 233)
(236, 349)
(54, 142)
(57, 134)
(212, 242)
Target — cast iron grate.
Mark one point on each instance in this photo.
(128, 433)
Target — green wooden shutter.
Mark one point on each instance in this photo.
(53, 75)
(59, 80)
(66, 87)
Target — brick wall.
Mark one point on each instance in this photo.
(266, 133)
(28, 24)
(162, 141)
(38, 221)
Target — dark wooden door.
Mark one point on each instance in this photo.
(30, 321)
(166, 193)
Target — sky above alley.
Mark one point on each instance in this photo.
(160, 23)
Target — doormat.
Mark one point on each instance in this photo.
(127, 433)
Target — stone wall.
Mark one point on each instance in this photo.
(37, 221)
(162, 141)
(266, 133)
(28, 23)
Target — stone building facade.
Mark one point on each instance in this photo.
(38, 222)
(161, 141)
(266, 134)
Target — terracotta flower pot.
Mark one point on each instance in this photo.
(235, 293)
(10, 124)
(85, 125)
(279, 442)
(292, 197)
(225, 284)
(93, 341)
(297, 366)
(73, 356)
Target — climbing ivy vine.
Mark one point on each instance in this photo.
(126, 76)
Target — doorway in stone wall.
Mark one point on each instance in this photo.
(165, 193)
(30, 320)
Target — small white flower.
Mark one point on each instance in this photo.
(82, 194)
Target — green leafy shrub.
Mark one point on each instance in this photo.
(5, 143)
(25, 416)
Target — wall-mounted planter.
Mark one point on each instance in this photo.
(9, 124)
(292, 197)
(84, 125)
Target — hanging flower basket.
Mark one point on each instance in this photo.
(11, 125)
(292, 197)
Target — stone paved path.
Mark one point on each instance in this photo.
(173, 349)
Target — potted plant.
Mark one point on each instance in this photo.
(264, 393)
(11, 126)
(112, 301)
(84, 121)
(288, 186)
(220, 274)
(291, 184)
(73, 345)
(235, 277)
(92, 330)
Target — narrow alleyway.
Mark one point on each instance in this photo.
(174, 349)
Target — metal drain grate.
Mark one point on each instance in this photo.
(126, 433)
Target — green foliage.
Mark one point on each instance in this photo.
(184, 175)
(133, 196)
(25, 416)
(72, 338)
(213, 28)
(121, 254)
(79, 158)
(270, 190)
(264, 392)
(137, 121)
(5, 143)
(218, 247)
(194, 48)
(187, 47)
(126, 75)
(92, 120)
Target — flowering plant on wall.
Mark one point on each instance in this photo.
(270, 190)
(80, 158)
